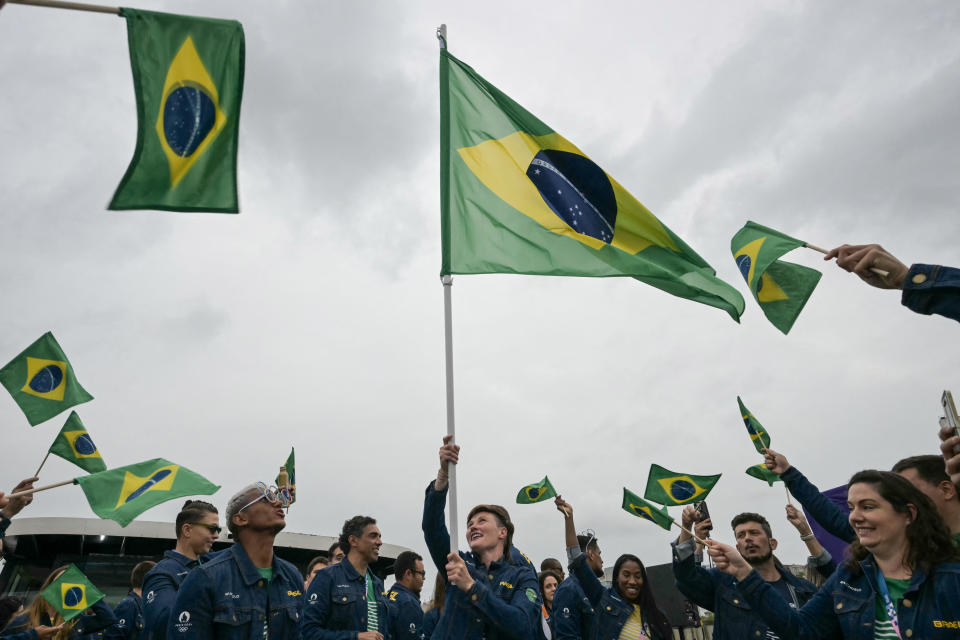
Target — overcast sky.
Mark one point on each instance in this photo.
(314, 318)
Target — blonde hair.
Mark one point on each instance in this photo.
(39, 607)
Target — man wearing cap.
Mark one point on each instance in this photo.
(490, 594)
(245, 591)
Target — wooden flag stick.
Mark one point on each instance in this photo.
(880, 272)
(76, 6)
(41, 464)
(27, 492)
(788, 494)
(680, 526)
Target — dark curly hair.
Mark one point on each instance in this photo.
(928, 540)
(353, 527)
(648, 604)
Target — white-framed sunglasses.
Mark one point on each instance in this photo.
(270, 494)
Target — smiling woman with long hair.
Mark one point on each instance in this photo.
(626, 611)
(901, 578)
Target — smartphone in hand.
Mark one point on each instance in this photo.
(703, 512)
(950, 413)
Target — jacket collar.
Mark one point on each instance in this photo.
(351, 572)
(869, 568)
(399, 587)
(247, 569)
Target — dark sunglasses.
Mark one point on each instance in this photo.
(212, 527)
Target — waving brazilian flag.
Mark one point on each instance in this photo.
(781, 288)
(72, 593)
(669, 488)
(123, 493)
(758, 435)
(632, 503)
(537, 492)
(760, 472)
(75, 445)
(517, 197)
(188, 78)
(42, 381)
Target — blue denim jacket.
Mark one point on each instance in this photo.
(406, 613)
(711, 589)
(846, 606)
(611, 610)
(572, 611)
(159, 589)
(832, 518)
(504, 603)
(938, 290)
(430, 619)
(228, 598)
(336, 606)
(129, 622)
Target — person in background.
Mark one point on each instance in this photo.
(435, 607)
(9, 607)
(628, 609)
(336, 553)
(552, 564)
(549, 580)
(197, 527)
(573, 613)
(129, 612)
(820, 564)
(317, 564)
(42, 622)
(403, 598)
(901, 578)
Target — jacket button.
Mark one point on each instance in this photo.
(344, 598)
(839, 605)
(608, 607)
(473, 597)
(907, 603)
(735, 601)
(919, 278)
(909, 633)
(757, 632)
(490, 576)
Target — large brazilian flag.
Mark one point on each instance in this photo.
(124, 493)
(188, 78)
(517, 197)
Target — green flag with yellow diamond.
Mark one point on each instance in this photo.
(632, 503)
(42, 382)
(758, 435)
(517, 197)
(123, 493)
(75, 445)
(188, 79)
(537, 492)
(669, 488)
(760, 472)
(781, 288)
(72, 593)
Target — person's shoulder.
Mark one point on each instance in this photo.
(288, 569)
(951, 569)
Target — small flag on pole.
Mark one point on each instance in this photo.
(288, 483)
(75, 445)
(758, 435)
(124, 493)
(537, 492)
(668, 488)
(632, 503)
(760, 472)
(42, 382)
(781, 288)
(188, 79)
(72, 593)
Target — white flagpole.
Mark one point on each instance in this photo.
(447, 280)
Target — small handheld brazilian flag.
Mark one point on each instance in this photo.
(632, 503)
(123, 493)
(188, 79)
(758, 435)
(760, 472)
(290, 467)
(669, 488)
(518, 197)
(537, 492)
(42, 381)
(72, 593)
(75, 445)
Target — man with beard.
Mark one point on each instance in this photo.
(245, 591)
(345, 601)
(403, 599)
(717, 591)
(571, 607)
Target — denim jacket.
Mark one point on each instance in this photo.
(504, 603)
(832, 518)
(159, 589)
(336, 607)
(572, 611)
(734, 618)
(611, 611)
(932, 289)
(129, 622)
(406, 613)
(846, 606)
(228, 598)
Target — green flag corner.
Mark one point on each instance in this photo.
(760, 472)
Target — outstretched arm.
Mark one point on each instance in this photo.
(830, 516)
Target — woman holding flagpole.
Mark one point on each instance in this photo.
(901, 579)
(625, 611)
(41, 621)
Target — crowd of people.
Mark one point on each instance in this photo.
(899, 579)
